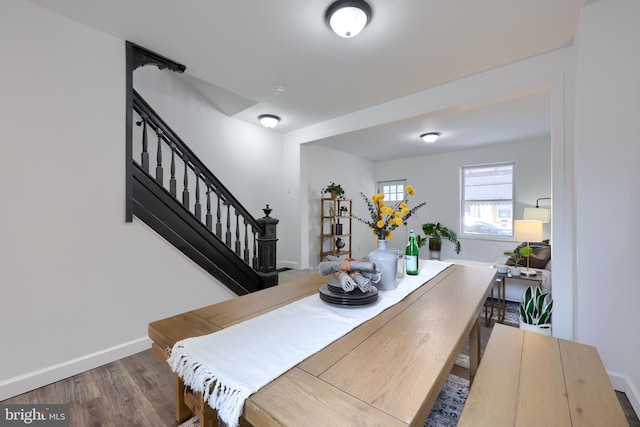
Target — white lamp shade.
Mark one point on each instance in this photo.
(538, 214)
(526, 230)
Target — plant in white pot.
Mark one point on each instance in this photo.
(517, 256)
(535, 310)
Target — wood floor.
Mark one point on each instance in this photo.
(137, 391)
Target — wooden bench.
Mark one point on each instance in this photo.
(528, 379)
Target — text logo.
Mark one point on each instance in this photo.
(34, 415)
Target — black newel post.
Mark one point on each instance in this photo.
(267, 249)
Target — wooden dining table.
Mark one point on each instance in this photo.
(386, 372)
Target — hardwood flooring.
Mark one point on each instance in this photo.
(139, 391)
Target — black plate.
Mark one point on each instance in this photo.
(348, 299)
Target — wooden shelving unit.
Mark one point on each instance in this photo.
(335, 226)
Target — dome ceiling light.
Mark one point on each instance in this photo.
(269, 120)
(430, 137)
(348, 17)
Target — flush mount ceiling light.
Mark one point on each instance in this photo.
(430, 137)
(269, 120)
(348, 17)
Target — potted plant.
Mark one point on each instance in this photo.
(344, 211)
(334, 189)
(517, 256)
(435, 233)
(535, 310)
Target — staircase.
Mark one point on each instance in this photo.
(191, 209)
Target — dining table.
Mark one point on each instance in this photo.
(388, 371)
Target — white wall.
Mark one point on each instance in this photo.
(78, 284)
(436, 180)
(355, 175)
(607, 194)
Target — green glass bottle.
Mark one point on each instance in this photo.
(411, 255)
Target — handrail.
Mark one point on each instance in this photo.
(170, 137)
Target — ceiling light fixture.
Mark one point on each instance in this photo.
(269, 120)
(430, 137)
(348, 17)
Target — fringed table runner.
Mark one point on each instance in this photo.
(229, 365)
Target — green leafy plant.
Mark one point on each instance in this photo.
(333, 188)
(516, 255)
(436, 232)
(536, 306)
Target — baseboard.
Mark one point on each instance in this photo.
(36, 379)
(622, 383)
(287, 265)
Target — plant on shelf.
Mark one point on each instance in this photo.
(334, 189)
(344, 211)
(435, 232)
(536, 307)
(516, 255)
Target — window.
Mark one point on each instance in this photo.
(487, 200)
(393, 193)
(393, 190)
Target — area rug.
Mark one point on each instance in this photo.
(511, 314)
(445, 411)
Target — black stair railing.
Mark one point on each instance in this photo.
(225, 238)
(224, 215)
(233, 223)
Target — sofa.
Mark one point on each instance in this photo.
(540, 260)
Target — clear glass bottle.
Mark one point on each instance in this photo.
(411, 255)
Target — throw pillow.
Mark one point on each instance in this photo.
(539, 258)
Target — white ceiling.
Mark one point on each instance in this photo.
(237, 51)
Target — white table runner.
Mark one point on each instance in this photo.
(229, 365)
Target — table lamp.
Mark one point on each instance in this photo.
(526, 230)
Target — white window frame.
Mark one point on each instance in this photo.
(508, 225)
(394, 183)
(401, 234)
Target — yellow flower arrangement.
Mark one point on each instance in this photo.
(385, 218)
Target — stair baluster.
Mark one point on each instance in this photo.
(185, 191)
(237, 242)
(159, 172)
(208, 216)
(227, 236)
(144, 157)
(172, 181)
(218, 222)
(197, 209)
(246, 242)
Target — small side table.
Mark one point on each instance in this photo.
(500, 304)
